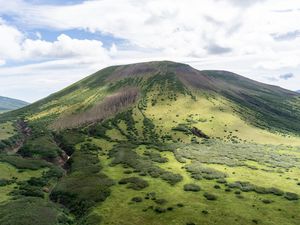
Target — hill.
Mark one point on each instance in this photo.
(7, 104)
(154, 143)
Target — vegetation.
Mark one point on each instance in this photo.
(153, 143)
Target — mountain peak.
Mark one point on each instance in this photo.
(258, 103)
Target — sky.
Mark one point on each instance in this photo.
(46, 45)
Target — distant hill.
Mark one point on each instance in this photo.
(298, 91)
(7, 104)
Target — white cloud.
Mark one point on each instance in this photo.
(241, 36)
(15, 46)
(10, 39)
(64, 47)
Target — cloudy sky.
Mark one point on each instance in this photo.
(46, 45)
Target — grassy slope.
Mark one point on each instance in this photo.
(6, 130)
(8, 172)
(228, 209)
(261, 156)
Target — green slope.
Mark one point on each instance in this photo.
(156, 143)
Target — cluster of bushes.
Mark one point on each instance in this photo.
(31, 210)
(37, 186)
(191, 187)
(149, 130)
(10, 142)
(4, 182)
(123, 154)
(80, 191)
(247, 186)
(99, 130)
(198, 171)
(209, 196)
(237, 154)
(127, 117)
(134, 183)
(43, 147)
(85, 185)
(67, 140)
(23, 163)
(155, 157)
(32, 188)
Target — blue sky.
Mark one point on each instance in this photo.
(46, 45)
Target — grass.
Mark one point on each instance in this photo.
(214, 116)
(7, 130)
(263, 178)
(9, 172)
(227, 209)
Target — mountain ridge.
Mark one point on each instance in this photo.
(258, 101)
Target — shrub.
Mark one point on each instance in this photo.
(134, 183)
(155, 157)
(160, 210)
(291, 196)
(191, 187)
(204, 212)
(90, 219)
(180, 205)
(221, 181)
(151, 195)
(136, 199)
(42, 146)
(171, 178)
(160, 201)
(24, 163)
(123, 154)
(209, 196)
(4, 182)
(79, 192)
(30, 210)
(266, 201)
(198, 172)
(276, 191)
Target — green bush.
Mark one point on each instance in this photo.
(191, 187)
(42, 147)
(134, 183)
(68, 139)
(4, 182)
(160, 201)
(291, 196)
(136, 199)
(79, 192)
(23, 163)
(209, 196)
(30, 210)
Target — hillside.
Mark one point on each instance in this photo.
(7, 104)
(154, 143)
